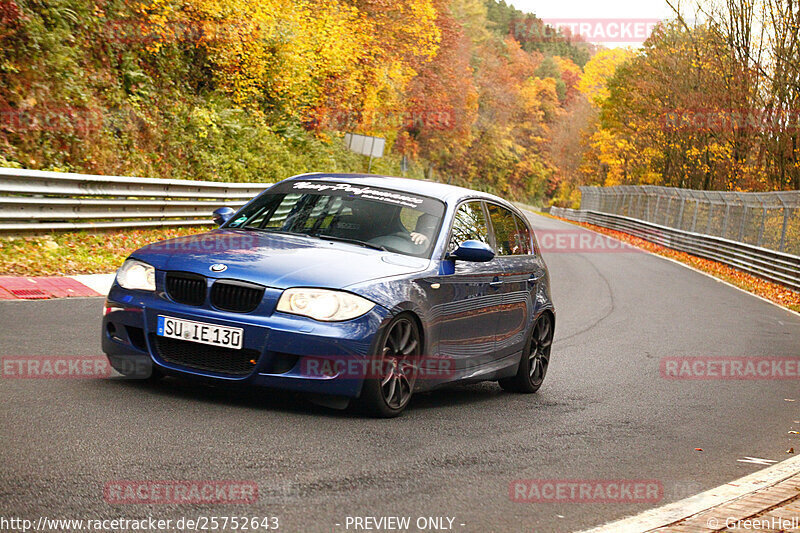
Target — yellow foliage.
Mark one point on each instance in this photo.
(598, 70)
(297, 53)
(286, 49)
(539, 99)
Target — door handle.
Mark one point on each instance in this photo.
(534, 279)
(495, 283)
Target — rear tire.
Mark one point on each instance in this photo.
(535, 359)
(388, 394)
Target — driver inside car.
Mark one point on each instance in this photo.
(374, 221)
(425, 226)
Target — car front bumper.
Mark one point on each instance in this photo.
(286, 351)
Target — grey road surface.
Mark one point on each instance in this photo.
(605, 412)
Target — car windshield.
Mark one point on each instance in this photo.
(383, 219)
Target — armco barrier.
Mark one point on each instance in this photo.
(771, 265)
(764, 219)
(38, 201)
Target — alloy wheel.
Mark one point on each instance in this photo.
(399, 354)
(539, 355)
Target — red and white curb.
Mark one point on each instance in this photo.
(45, 288)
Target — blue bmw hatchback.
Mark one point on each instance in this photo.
(352, 287)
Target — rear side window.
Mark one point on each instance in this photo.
(523, 236)
(505, 230)
(469, 224)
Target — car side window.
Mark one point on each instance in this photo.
(469, 224)
(505, 230)
(523, 236)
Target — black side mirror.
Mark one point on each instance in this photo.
(222, 215)
(474, 251)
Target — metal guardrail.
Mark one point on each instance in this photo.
(37, 201)
(764, 219)
(771, 265)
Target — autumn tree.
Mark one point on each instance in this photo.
(442, 100)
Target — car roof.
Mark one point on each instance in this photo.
(449, 193)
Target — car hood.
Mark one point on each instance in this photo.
(275, 260)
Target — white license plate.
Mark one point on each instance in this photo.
(188, 330)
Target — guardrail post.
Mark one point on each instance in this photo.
(655, 213)
(785, 227)
(761, 228)
(669, 208)
(741, 225)
(725, 219)
(744, 216)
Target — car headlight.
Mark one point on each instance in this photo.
(323, 304)
(135, 274)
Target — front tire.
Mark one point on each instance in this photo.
(387, 391)
(139, 368)
(535, 359)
